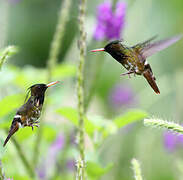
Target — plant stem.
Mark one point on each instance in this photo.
(52, 61)
(114, 4)
(80, 92)
(4, 9)
(22, 156)
(58, 36)
(136, 169)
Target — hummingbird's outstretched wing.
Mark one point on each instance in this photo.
(151, 80)
(140, 46)
(151, 48)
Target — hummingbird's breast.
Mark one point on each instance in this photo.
(30, 111)
(35, 111)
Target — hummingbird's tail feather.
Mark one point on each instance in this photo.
(151, 80)
(153, 48)
(13, 129)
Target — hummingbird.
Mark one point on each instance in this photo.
(29, 113)
(134, 58)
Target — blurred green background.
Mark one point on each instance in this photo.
(30, 26)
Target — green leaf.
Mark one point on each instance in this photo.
(64, 70)
(4, 125)
(49, 133)
(72, 115)
(24, 133)
(29, 75)
(21, 177)
(129, 117)
(6, 53)
(95, 170)
(9, 103)
(69, 113)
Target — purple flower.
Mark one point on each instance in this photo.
(121, 95)
(172, 141)
(109, 23)
(48, 163)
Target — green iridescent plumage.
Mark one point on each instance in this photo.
(134, 58)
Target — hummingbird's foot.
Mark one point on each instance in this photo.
(128, 73)
(34, 125)
(36, 122)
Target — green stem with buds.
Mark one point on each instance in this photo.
(80, 92)
(159, 123)
(136, 169)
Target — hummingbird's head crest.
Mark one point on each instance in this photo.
(113, 46)
(110, 47)
(39, 89)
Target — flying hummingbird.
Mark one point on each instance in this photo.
(29, 113)
(134, 58)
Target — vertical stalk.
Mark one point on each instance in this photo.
(58, 36)
(4, 8)
(52, 61)
(80, 92)
(22, 156)
(114, 4)
(136, 169)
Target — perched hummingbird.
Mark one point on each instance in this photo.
(29, 113)
(134, 58)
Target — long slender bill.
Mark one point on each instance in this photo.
(52, 83)
(96, 50)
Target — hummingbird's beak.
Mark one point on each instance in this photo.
(52, 83)
(96, 50)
